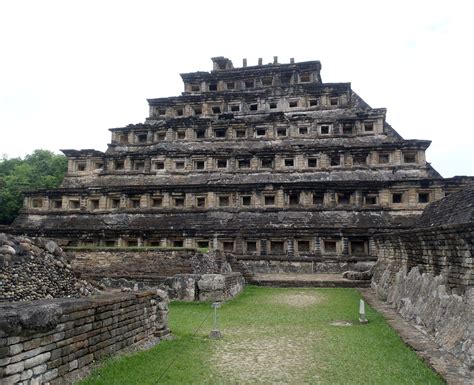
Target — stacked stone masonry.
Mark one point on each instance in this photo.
(266, 162)
(204, 287)
(185, 274)
(145, 265)
(427, 273)
(33, 269)
(54, 341)
(458, 208)
(445, 250)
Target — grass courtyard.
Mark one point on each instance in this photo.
(273, 336)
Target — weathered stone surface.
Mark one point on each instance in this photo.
(424, 300)
(147, 266)
(37, 269)
(14, 368)
(6, 249)
(211, 282)
(11, 380)
(427, 274)
(182, 286)
(358, 275)
(37, 348)
(18, 320)
(445, 364)
(459, 208)
(37, 360)
(211, 287)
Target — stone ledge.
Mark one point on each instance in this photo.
(40, 316)
(305, 280)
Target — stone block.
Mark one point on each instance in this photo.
(4, 351)
(15, 368)
(36, 380)
(16, 349)
(73, 365)
(37, 360)
(32, 344)
(50, 375)
(11, 380)
(26, 375)
(13, 340)
(62, 370)
(80, 353)
(85, 360)
(54, 363)
(58, 336)
(78, 330)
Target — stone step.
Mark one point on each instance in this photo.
(304, 280)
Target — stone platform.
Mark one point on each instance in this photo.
(304, 280)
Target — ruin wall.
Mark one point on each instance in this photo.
(150, 265)
(55, 341)
(427, 275)
(185, 274)
(305, 265)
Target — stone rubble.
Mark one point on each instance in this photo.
(32, 269)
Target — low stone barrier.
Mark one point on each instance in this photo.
(55, 341)
(315, 265)
(186, 274)
(151, 264)
(205, 287)
(187, 287)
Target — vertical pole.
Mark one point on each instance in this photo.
(215, 332)
(362, 318)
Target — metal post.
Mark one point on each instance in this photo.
(215, 332)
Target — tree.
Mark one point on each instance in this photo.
(41, 169)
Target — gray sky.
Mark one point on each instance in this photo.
(69, 70)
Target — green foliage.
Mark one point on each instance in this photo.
(41, 169)
(273, 335)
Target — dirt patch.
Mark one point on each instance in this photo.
(341, 323)
(255, 358)
(299, 299)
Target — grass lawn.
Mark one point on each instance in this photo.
(274, 336)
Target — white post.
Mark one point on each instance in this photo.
(362, 318)
(215, 332)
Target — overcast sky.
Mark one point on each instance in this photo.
(69, 70)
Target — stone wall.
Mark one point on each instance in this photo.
(457, 208)
(218, 287)
(272, 265)
(187, 287)
(55, 341)
(36, 268)
(427, 275)
(444, 250)
(186, 274)
(150, 266)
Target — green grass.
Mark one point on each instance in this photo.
(266, 339)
